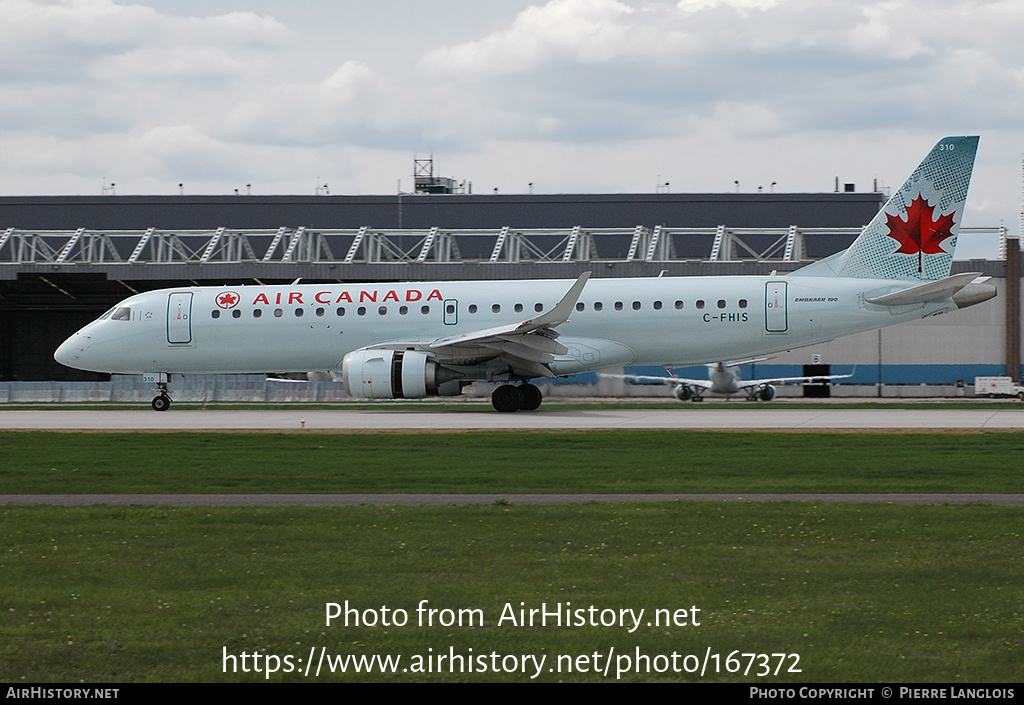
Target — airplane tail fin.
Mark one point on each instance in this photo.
(914, 235)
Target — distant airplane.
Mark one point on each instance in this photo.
(724, 378)
(413, 340)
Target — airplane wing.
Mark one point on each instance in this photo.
(698, 383)
(529, 346)
(747, 383)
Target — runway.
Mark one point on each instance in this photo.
(441, 418)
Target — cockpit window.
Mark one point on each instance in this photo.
(105, 315)
(122, 313)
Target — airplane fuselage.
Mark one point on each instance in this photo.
(310, 327)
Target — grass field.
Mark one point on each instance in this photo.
(512, 462)
(861, 593)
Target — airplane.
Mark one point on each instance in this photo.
(724, 379)
(414, 340)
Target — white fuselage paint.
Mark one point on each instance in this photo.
(175, 331)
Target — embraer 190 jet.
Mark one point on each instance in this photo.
(413, 340)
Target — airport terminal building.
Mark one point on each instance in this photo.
(64, 260)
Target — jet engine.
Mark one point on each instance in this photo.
(397, 374)
(682, 392)
(767, 392)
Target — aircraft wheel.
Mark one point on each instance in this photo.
(507, 398)
(531, 397)
(697, 397)
(161, 402)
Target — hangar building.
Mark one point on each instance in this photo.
(66, 259)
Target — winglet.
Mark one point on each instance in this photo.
(560, 313)
(547, 320)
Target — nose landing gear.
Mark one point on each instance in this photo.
(162, 400)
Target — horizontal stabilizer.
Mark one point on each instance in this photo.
(932, 291)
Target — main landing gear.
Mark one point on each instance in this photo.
(525, 397)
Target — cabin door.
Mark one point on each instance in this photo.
(179, 318)
(776, 318)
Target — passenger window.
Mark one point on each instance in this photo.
(496, 308)
(341, 311)
(657, 305)
(299, 312)
(402, 310)
(257, 312)
(278, 312)
(215, 313)
(700, 303)
(598, 305)
(618, 305)
(361, 311)
(580, 306)
(236, 313)
(679, 305)
(472, 308)
(743, 303)
(450, 308)
(636, 305)
(383, 310)
(425, 310)
(721, 303)
(538, 307)
(320, 312)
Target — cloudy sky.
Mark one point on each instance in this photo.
(569, 95)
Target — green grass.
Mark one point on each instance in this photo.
(510, 462)
(860, 593)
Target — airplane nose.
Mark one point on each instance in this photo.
(68, 352)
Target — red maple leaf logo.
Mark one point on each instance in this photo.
(228, 299)
(921, 233)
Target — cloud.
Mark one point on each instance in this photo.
(353, 104)
(586, 70)
(66, 39)
(588, 31)
(620, 89)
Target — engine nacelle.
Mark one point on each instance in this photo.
(396, 374)
(682, 392)
(767, 392)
